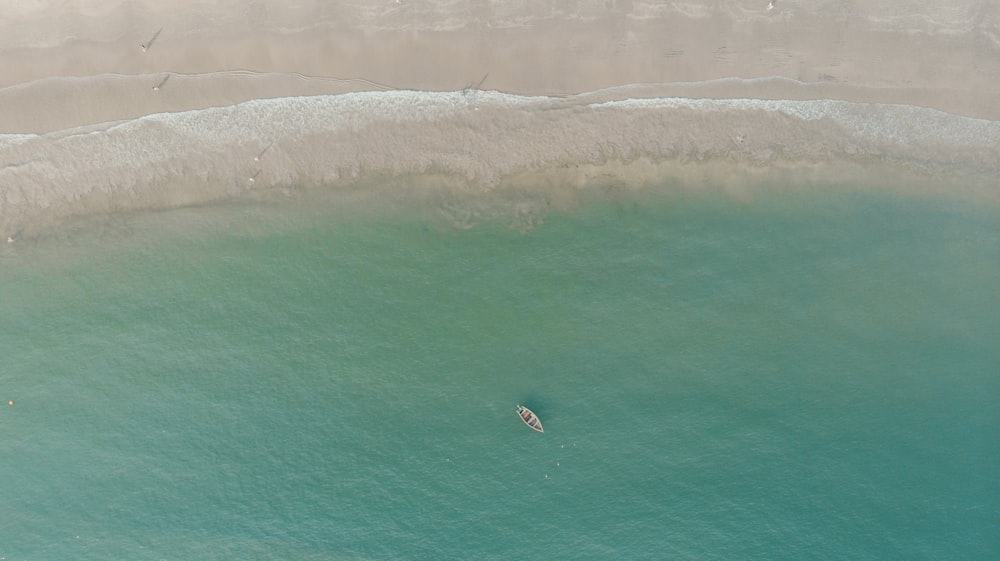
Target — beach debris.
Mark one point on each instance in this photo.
(253, 177)
(10, 402)
(10, 239)
(469, 88)
(148, 44)
(157, 87)
(770, 6)
(261, 153)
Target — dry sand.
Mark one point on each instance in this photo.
(145, 104)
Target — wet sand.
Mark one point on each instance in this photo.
(141, 105)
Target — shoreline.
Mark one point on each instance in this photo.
(141, 105)
(150, 94)
(485, 141)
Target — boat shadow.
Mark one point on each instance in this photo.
(538, 404)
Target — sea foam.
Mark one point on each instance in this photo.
(879, 122)
(483, 136)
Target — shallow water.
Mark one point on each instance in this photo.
(794, 375)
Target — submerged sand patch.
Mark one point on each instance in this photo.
(481, 140)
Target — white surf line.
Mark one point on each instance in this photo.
(896, 123)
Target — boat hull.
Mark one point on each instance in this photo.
(529, 418)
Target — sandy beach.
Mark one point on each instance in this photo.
(142, 105)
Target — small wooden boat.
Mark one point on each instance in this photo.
(529, 418)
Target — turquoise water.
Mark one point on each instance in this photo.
(794, 376)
